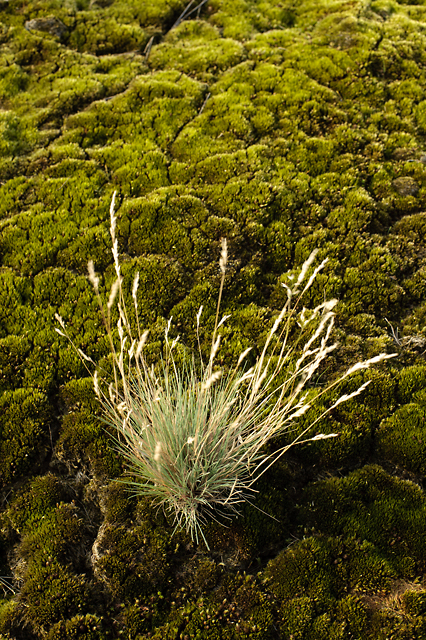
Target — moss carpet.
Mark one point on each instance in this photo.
(284, 126)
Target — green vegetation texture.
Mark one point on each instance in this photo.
(283, 126)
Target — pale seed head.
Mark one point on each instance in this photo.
(223, 255)
(92, 275)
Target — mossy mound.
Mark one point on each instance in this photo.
(284, 127)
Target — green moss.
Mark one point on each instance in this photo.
(298, 617)
(239, 609)
(83, 627)
(12, 80)
(105, 36)
(133, 562)
(221, 168)
(61, 536)
(9, 619)
(203, 576)
(152, 12)
(311, 580)
(137, 168)
(38, 358)
(265, 521)
(359, 209)
(54, 541)
(141, 617)
(173, 100)
(389, 623)
(371, 505)
(193, 143)
(414, 600)
(351, 617)
(302, 619)
(25, 416)
(255, 609)
(83, 442)
(272, 45)
(160, 277)
(411, 382)
(400, 438)
(11, 195)
(410, 227)
(119, 505)
(283, 128)
(377, 294)
(306, 570)
(242, 18)
(155, 226)
(197, 49)
(52, 593)
(355, 421)
(16, 137)
(13, 353)
(35, 501)
(322, 568)
(30, 254)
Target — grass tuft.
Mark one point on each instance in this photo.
(193, 435)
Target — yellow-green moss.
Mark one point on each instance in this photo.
(283, 127)
(34, 502)
(23, 449)
(53, 592)
(134, 562)
(83, 627)
(371, 505)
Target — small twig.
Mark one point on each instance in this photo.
(198, 8)
(204, 103)
(182, 15)
(187, 12)
(148, 47)
(51, 439)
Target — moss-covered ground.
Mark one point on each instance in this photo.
(283, 125)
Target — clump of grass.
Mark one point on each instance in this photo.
(193, 435)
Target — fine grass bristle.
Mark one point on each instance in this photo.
(193, 437)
